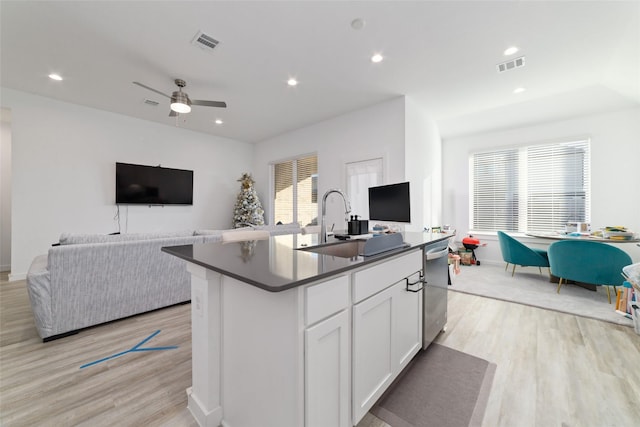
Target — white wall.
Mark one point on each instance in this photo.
(615, 166)
(423, 167)
(5, 189)
(63, 173)
(376, 131)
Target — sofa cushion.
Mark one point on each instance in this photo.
(208, 232)
(274, 230)
(238, 235)
(78, 238)
(279, 229)
(211, 238)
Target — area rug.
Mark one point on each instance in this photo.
(529, 287)
(441, 387)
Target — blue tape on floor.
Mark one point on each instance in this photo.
(133, 349)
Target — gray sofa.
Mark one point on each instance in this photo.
(91, 279)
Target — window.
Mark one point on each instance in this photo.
(532, 188)
(361, 176)
(295, 184)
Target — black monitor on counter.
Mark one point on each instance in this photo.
(390, 203)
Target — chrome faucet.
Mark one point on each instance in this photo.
(347, 208)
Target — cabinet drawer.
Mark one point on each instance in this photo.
(326, 298)
(374, 279)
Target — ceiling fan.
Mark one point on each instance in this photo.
(180, 102)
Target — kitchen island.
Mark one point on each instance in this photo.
(284, 336)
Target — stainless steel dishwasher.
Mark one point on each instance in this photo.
(436, 279)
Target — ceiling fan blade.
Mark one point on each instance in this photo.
(151, 89)
(173, 114)
(220, 104)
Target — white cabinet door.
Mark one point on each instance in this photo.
(407, 325)
(372, 351)
(328, 373)
(387, 334)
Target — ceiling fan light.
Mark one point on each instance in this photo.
(180, 103)
(179, 107)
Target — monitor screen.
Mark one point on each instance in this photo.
(390, 203)
(153, 185)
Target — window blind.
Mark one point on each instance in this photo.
(532, 188)
(295, 184)
(307, 190)
(495, 190)
(558, 183)
(283, 192)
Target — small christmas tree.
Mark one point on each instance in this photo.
(248, 209)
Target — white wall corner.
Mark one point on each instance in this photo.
(423, 166)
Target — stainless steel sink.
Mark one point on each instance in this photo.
(346, 249)
(356, 247)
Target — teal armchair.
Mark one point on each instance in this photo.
(590, 262)
(517, 253)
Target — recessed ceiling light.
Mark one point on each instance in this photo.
(292, 82)
(55, 77)
(510, 51)
(519, 90)
(377, 58)
(219, 121)
(357, 24)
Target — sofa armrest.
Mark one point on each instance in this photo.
(39, 288)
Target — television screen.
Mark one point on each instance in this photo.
(390, 203)
(153, 185)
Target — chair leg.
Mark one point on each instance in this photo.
(506, 266)
(559, 284)
(514, 270)
(608, 294)
(540, 268)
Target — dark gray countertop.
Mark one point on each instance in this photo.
(275, 265)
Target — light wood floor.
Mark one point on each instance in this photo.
(553, 369)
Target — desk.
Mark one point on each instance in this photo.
(558, 236)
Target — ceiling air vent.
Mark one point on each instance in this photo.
(511, 65)
(204, 41)
(151, 102)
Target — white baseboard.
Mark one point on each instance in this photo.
(16, 277)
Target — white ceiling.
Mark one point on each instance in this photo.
(581, 58)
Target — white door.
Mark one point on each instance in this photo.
(372, 351)
(327, 372)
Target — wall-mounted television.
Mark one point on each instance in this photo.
(153, 185)
(390, 203)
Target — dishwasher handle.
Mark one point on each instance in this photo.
(439, 254)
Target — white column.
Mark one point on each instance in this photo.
(206, 321)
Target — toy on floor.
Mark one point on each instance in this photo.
(472, 244)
